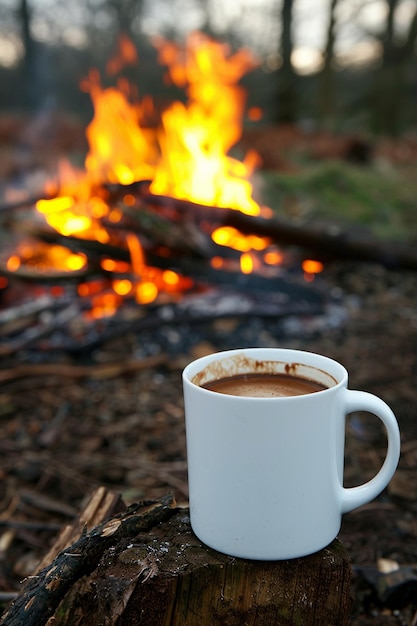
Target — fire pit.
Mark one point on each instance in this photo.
(161, 217)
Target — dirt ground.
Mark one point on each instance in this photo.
(112, 415)
(68, 431)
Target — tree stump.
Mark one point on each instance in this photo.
(167, 577)
(164, 576)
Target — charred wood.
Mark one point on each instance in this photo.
(44, 591)
(328, 245)
(33, 334)
(26, 309)
(238, 302)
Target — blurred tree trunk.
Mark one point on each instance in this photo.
(390, 92)
(29, 63)
(125, 16)
(410, 44)
(327, 96)
(126, 11)
(286, 103)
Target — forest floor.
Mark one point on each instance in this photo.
(64, 433)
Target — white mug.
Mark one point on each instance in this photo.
(266, 474)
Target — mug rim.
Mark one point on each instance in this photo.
(341, 377)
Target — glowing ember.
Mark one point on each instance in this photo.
(110, 265)
(43, 258)
(311, 268)
(246, 263)
(273, 257)
(146, 292)
(122, 287)
(231, 237)
(13, 263)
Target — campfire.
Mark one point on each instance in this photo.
(153, 208)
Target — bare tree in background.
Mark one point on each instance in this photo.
(126, 12)
(390, 97)
(30, 54)
(327, 95)
(119, 16)
(286, 109)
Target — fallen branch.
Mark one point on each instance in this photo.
(44, 591)
(94, 371)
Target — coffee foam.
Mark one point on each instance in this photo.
(239, 364)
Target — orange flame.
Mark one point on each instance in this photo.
(197, 137)
(120, 150)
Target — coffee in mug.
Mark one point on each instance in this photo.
(265, 465)
(264, 385)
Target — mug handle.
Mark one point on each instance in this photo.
(354, 497)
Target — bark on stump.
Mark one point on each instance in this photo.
(167, 577)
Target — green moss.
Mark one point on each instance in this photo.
(383, 202)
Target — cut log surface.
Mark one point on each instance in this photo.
(167, 577)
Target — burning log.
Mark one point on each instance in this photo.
(169, 222)
(145, 566)
(326, 243)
